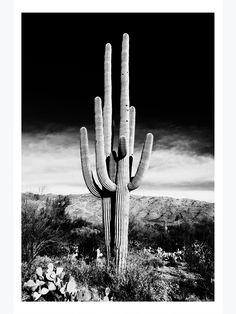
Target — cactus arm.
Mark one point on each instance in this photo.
(124, 98)
(122, 148)
(132, 114)
(143, 164)
(107, 110)
(100, 155)
(86, 169)
(122, 192)
(97, 185)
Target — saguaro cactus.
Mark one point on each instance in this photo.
(114, 169)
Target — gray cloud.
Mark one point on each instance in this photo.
(182, 163)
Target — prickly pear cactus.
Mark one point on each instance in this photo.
(51, 285)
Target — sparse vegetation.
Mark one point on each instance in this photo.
(177, 265)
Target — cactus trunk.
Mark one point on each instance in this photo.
(122, 192)
(121, 226)
(106, 211)
(114, 169)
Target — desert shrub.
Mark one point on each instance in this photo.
(154, 236)
(87, 239)
(140, 282)
(94, 275)
(200, 258)
(204, 232)
(43, 228)
(57, 210)
(141, 235)
(193, 290)
(143, 280)
(30, 196)
(48, 230)
(37, 234)
(176, 237)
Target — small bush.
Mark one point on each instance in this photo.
(41, 232)
(200, 258)
(177, 236)
(47, 230)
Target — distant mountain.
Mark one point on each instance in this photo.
(145, 210)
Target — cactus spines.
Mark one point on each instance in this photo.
(114, 169)
(124, 97)
(107, 111)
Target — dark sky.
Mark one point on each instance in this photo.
(171, 67)
(171, 86)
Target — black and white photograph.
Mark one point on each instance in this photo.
(117, 149)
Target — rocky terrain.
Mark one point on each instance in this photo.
(145, 210)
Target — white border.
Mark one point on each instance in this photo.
(6, 136)
(229, 151)
(119, 6)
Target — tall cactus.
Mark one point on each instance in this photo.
(114, 169)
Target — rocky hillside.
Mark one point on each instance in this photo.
(145, 210)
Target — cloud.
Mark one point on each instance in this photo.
(182, 165)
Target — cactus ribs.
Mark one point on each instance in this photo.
(114, 169)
